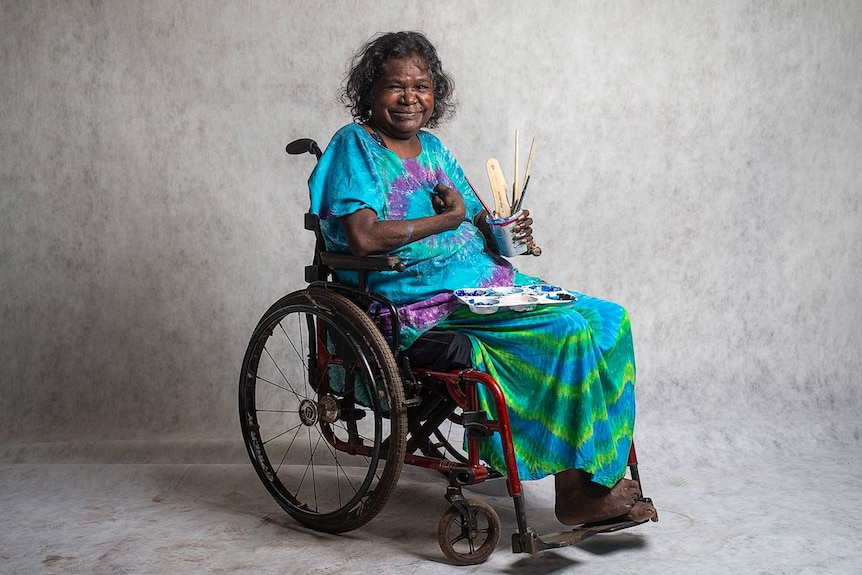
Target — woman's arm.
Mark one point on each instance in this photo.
(366, 235)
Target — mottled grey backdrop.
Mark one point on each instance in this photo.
(700, 163)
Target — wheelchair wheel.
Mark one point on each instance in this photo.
(466, 544)
(322, 410)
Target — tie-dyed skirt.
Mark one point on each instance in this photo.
(568, 377)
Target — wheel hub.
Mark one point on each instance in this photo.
(308, 412)
(326, 410)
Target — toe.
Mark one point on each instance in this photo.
(642, 511)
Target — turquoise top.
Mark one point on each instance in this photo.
(356, 172)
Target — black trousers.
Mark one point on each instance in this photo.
(440, 350)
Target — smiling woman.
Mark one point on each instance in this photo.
(403, 104)
(369, 66)
(386, 185)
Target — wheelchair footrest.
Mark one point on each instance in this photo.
(531, 543)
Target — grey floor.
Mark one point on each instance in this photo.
(133, 507)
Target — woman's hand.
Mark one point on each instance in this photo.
(523, 227)
(524, 230)
(445, 200)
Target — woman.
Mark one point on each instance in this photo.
(385, 185)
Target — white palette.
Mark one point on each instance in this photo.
(485, 300)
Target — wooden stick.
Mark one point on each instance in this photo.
(516, 191)
(499, 188)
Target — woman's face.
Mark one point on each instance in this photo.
(403, 98)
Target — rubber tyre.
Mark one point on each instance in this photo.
(463, 547)
(322, 411)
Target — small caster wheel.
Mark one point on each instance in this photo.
(466, 544)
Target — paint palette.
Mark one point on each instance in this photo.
(485, 300)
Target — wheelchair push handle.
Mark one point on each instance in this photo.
(303, 146)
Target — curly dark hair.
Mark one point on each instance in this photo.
(369, 64)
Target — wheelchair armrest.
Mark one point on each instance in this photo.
(356, 263)
(339, 261)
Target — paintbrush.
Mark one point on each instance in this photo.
(516, 192)
(517, 207)
(529, 164)
(478, 197)
(526, 178)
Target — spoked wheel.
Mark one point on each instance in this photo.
(322, 410)
(465, 543)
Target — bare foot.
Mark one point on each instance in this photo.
(642, 511)
(580, 501)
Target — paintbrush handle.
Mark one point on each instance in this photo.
(523, 193)
(478, 197)
(516, 191)
(529, 164)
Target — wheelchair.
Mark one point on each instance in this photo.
(330, 411)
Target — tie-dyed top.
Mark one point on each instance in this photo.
(356, 172)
